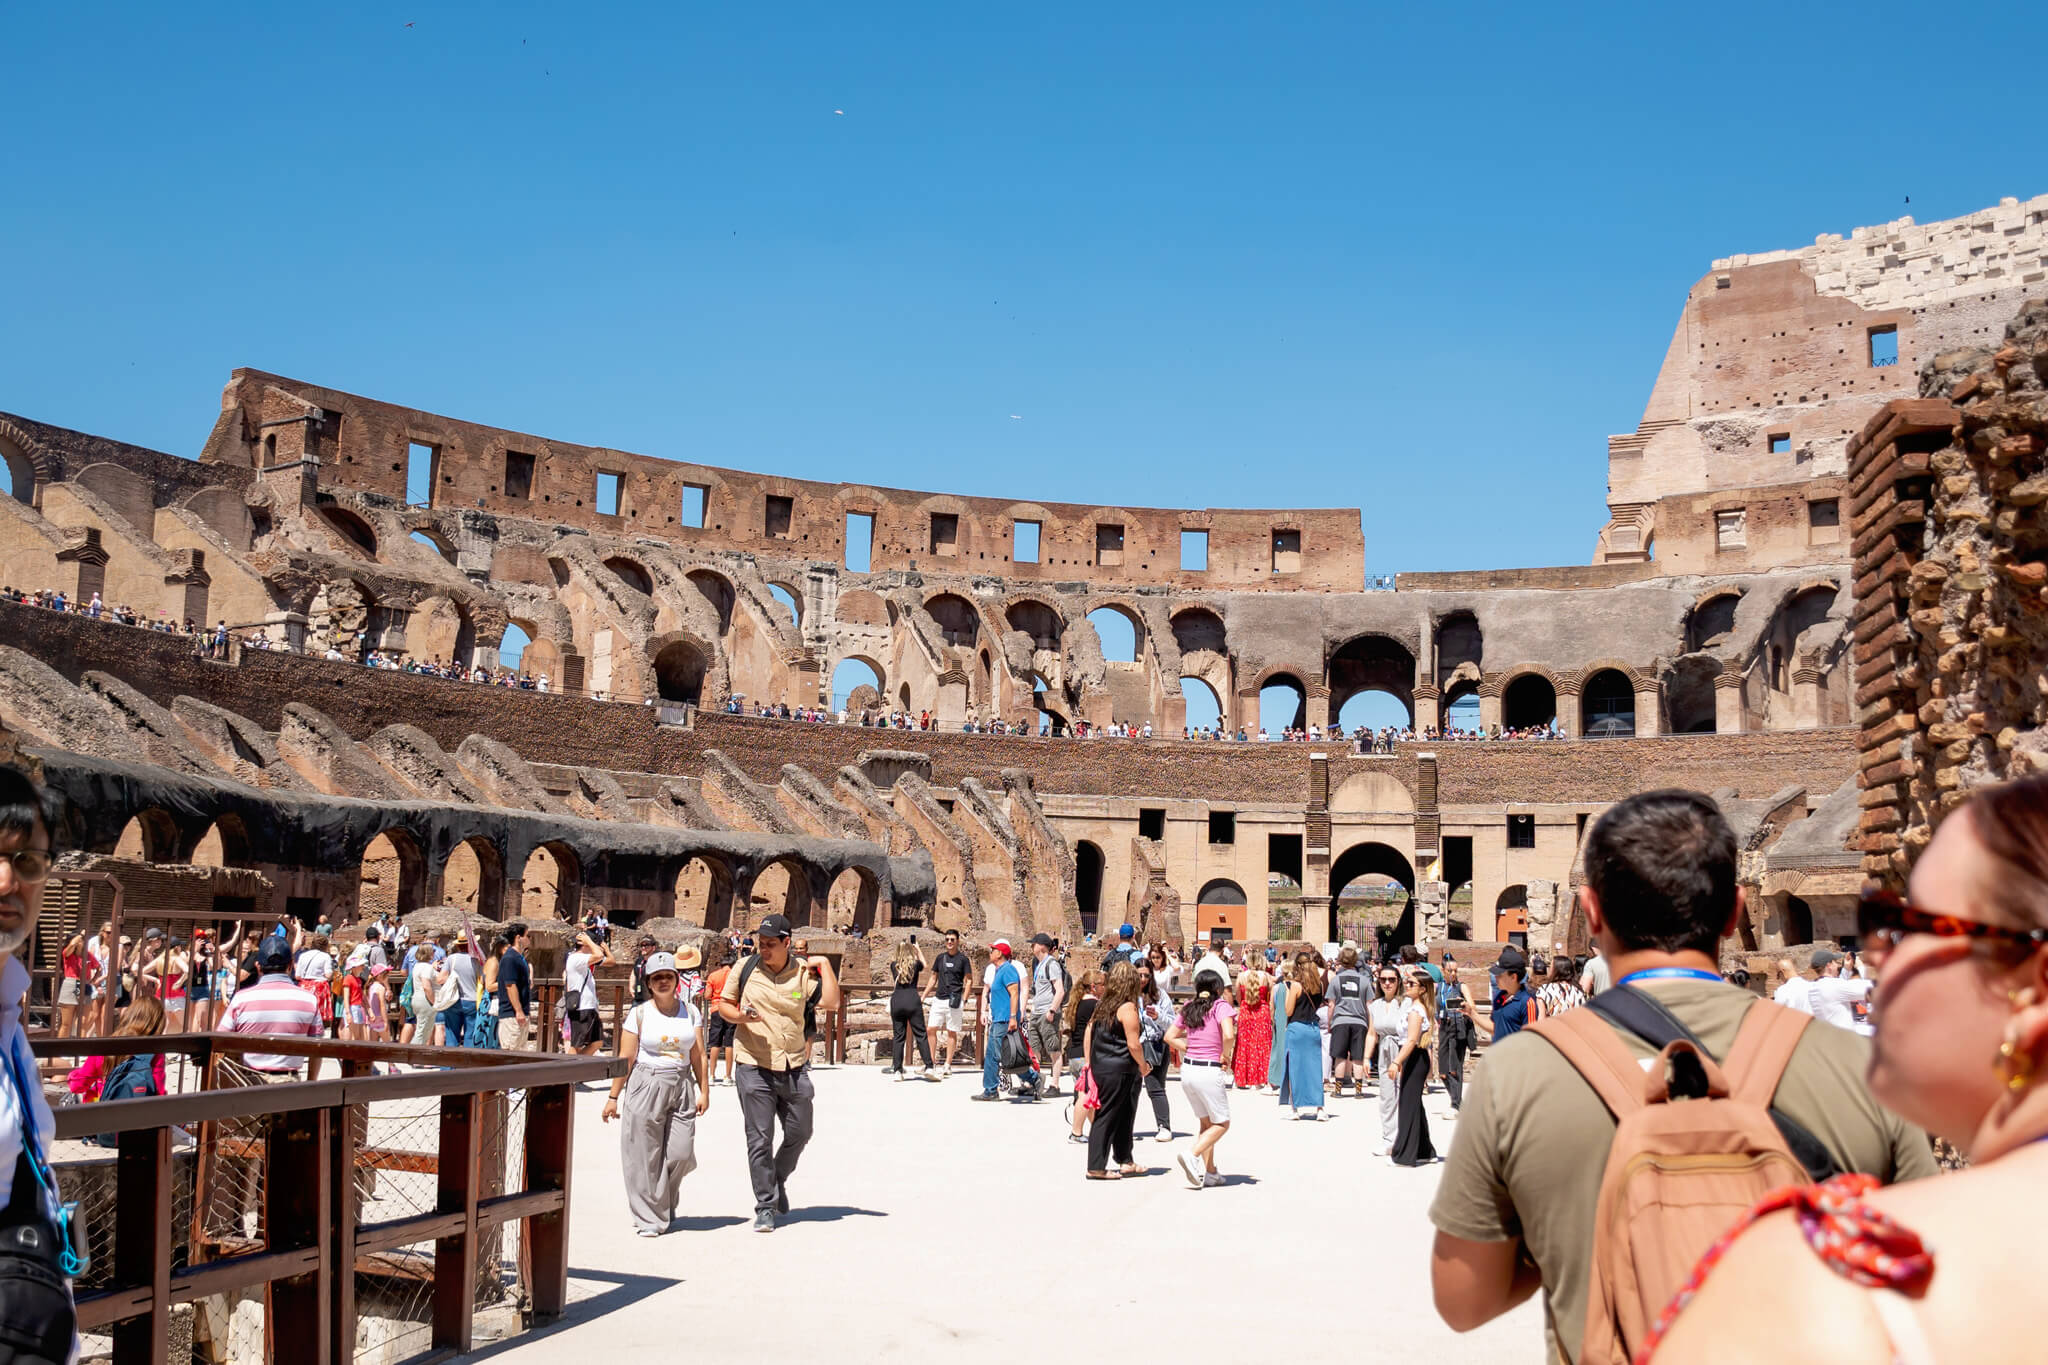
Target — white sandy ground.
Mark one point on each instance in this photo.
(926, 1227)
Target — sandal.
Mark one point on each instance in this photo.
(1130, 1170)
(1104, 1175)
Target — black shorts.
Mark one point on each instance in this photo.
(585, 1027)
(1347, 1041)
(719, 1031)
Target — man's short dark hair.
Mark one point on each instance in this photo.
(514, 928)
(1663, 866)
(23, 805)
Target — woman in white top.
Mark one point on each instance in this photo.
(1386, 1030)
(663, 1093)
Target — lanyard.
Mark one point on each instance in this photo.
(68, 1259)
(1669, 974)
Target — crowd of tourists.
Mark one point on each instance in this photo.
(209, 644)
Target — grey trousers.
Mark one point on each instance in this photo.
(766, 1096)
(1390, 1086)
(657, 1141)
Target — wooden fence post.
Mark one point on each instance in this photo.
(299, 1213)
(142, 1242)
(455, 1257)
(550, 1133)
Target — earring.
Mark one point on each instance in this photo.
(2015, 1064)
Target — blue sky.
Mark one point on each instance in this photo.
(1419, 263)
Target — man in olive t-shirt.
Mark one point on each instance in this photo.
(1515, 1209)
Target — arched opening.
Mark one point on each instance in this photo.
(1119, 632)
(1805, 611)
(1373, 711)
(439, 629)
(1458, 642)
(1712, 621)
(1199, 630)
(1221, 905)
(1038, 621)
(781, 888)
(1088, 884)
(512, 648)
(17, 473)
(1283, 704)
(1689, 694)
(435, 543)
(791, 603)
(353, 528)
(473, 879)
(851, 900)
(1461, 708)
(703, 893)
(679, 673)
(716, 591)
(225, 844)
(1511, 916)
(151, 837)
(1204, 707)
(551, 887)
(632, 573)
(957, 620)
(1373, 663)
(1798, 921)
(393, 876)
(1529, 703)
(1383, 904)
(1607, 706)
(851, 673)
(903, 696)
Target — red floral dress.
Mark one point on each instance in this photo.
(1254, 1038)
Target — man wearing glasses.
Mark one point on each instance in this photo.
(1515, 1210)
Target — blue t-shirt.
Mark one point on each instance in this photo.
(1007, 976)
(1510, 1014)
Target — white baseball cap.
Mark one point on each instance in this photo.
(658, 962)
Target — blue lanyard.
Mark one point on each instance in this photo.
(1669, 974)
(68, 1259)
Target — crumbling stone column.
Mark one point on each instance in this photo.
(1428, 703)
(1319, 705)
(1806, 701)
(1728, 703)
(1432, 912)
(1544, 929)
(1568, 707)
(1649, 709)
(1245, 714)
(1316, 923)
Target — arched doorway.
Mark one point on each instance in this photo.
(679, 673)
(1120, 633)
(718, 593)
(17, 473)
(781, 888)
(851, 900)
(1204, 707)
(1369, 664)
(1221, 905)
(1607, 706)
(1088, 884)
(703, 893)
(1283, 705)
(1511, 916)
(632, 573)
(225, 844)
(473, 879)
(551, 887)
(1530, 703)
(1383, 906)
(854, 672)
(957, 620)
(151, 837)
(393, 876)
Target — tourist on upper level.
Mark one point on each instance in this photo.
(1350, 994)
(1204, 1036)
(767, 999)
(1155, 1018)
(1301, 1057)
(1527, 1161)
(906, 1011)
(1050, 986)
(1410, 1073)
(660, 1097)
(1932, 1271)
(1113, 1053)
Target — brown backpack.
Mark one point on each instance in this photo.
(1681, 1171)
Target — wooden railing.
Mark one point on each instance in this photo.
(312, 1152)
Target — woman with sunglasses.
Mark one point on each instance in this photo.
(665, 1090)
(1388, 1020)
(1935, 1269)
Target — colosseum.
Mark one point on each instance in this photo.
(1054, 656)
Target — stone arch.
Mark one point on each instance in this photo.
(429, 537)
(1511, 914)
(1199, 629)
(1712, 619)
(1371, 662)
(1130, 612)
(1371, 792)
(958, 621)
(702, 892)
(28, 466)
(842, 691)
(551, 886)
(441, 628)
(393, 875)
(679, 666)
(1222, 904)
(1802, 609)
(851, 900)
(150, 836)
(224, 844)
(1278, 679)
(782, 887)
(1210, 715)
(718, 591)
(354, 529)
(1689, 694)
(1040, 620)
(794, 604)
(1528, 700)
(632, 573)
(1088, 866)
(1459, 642)
(1369, 858)
(1607, 704)
(473, 878)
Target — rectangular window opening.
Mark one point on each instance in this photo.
(1109, 544)
(945, 534)
(1024, 542)
(1222, 826)
(1781, 443)
(1194, 551)
(860, 540)
(518, 474)
(608, 494)
(1152, 824)
(1286, 552)
(1521, 831)
(1824, 521)
(1884, 346)
(776, 515)
(422, 473)
(695, 498)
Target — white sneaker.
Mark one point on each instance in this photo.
(931, 1075)
(1211, 1180)
(1163, 1135)
(1381, 1148)
(1190, 1169)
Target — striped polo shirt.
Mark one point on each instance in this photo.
(273, 1005)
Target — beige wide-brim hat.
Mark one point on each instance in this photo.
(688, 956)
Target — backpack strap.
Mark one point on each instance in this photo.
(1596, 1054)
(1756, 1062)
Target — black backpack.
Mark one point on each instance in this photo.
(810, 1001)
(132, 1078)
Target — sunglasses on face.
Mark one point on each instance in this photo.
(1883, 918)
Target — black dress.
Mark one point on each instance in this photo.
(1116, 1079)
(1412, 1146)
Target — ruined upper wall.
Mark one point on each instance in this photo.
(363, 445)
(1738, 460)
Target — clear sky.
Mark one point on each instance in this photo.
(1421, 263)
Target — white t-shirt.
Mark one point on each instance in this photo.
(1832, 996)
(1796, 994)
(1389, 1017)
(315, 965)
(1211, 962)
(665, 1040)
(578, 984)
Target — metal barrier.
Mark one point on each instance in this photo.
(253, 1192)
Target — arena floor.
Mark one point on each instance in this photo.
(923, 1223)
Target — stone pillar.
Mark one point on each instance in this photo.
(286, 629)
(186, 585)
(1432, 913)
(1245, 714)
(1649, 711)
(1568, 707)
(1544, 929)
(1428, 705)
(83, 551)
(1318, 707)
(1317, 922)
(1728, 703)
(1806, 699)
